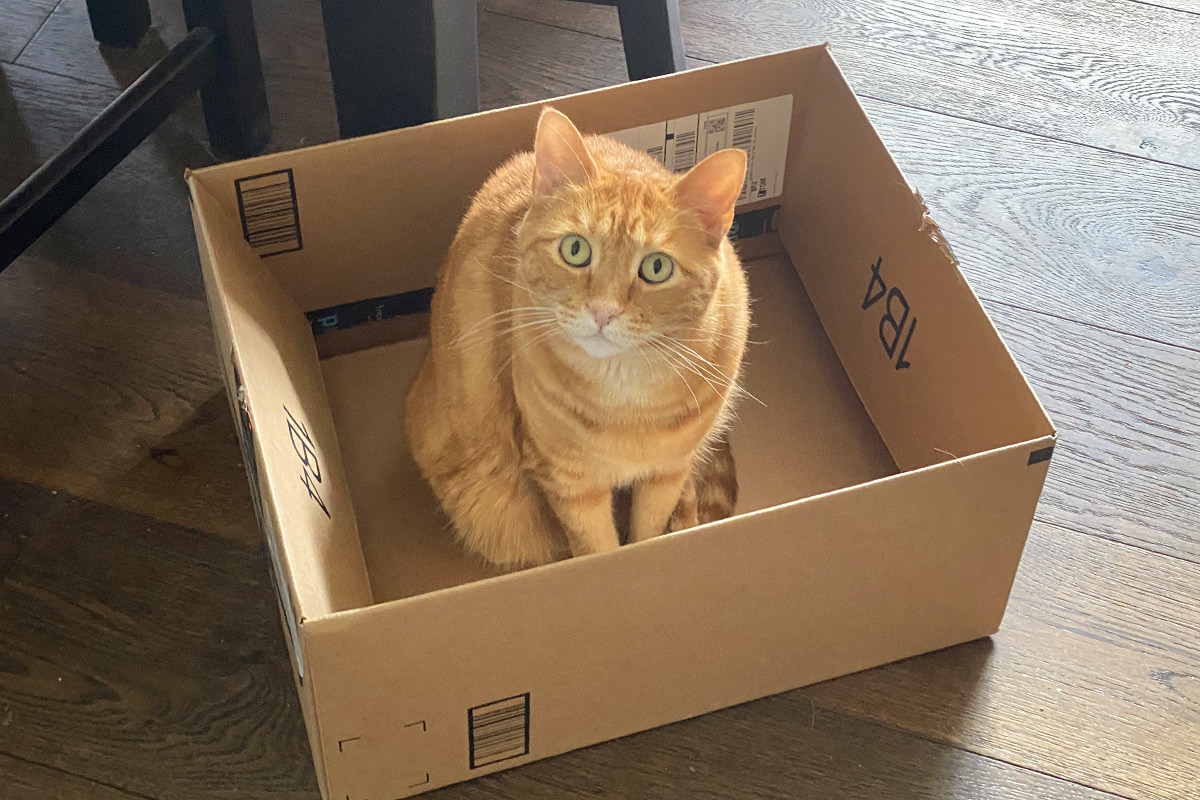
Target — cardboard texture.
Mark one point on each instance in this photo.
(889, 475)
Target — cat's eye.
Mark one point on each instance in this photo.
(575, 250)
(656, 268)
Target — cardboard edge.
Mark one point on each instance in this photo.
(354, 615)
(925, 224)
(198, 197)
(203, 175)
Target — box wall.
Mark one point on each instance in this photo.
(368, 232)
(929, 366)
(296, 458)
(675, 627)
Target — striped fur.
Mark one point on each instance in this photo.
(529, 410)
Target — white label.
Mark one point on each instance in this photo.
(760, 128)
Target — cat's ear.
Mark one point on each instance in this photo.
(560, 156)
(711, 189)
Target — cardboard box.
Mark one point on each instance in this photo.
(889, 477)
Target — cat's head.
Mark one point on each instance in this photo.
(623, 252)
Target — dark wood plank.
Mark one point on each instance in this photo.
(1128, 413)
(113, 392)
(520, 62)
(19, 22)
(24, 779)
(291, 40)
(780, 747)
(21, 507)
(135, 223)
(1111, 73)
(150, 658)
(1094, 676)
(1101, 238)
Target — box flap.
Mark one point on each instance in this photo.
(930, 367)
(267, 350)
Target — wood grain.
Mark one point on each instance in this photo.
(1111, 73)
(291, 41)
(1128, 413)
(1094, 676)
(521, 62)
(21, 506)
(26, 779)
(150, 658)
(780, 747)
(1105, 239)
(135, 223)
(112, 391)
(19, 22)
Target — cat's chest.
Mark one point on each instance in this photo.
(622, 424)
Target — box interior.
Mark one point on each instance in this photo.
(806, 433)
(856, 264)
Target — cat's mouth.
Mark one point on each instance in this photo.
(598, 345)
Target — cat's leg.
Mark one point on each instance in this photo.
(586, 515)
(686, 513)
(654, 499)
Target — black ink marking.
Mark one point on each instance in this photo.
(1038, 456)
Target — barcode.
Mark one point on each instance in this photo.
(743, 138)
(656, 153)
(743, 129)
(685, 151)
(499, 731)
(270, 217)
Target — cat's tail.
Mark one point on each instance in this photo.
(502, 517)
(711, 491)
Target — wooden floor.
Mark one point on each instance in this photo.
(1058, 145)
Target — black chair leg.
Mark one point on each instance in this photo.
(119, 23)
(235, 100)
(652, 37)
(397, 63)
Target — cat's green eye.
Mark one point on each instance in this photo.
(575, 250)
(656, 268)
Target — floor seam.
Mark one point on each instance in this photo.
(29, 41)
(62, 771)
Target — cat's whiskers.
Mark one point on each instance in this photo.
(677, 360)
(512, 355)
(730, 383)
(479, 332)
(681, 377)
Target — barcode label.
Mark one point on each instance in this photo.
(760, 128)
(270, 216)
(683, 155)
(499, 731)
(743, 129)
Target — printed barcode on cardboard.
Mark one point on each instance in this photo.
(270, 216)
(760, 128)
(499, 731)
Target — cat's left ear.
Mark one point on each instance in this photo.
(560, 156)
(711, 189)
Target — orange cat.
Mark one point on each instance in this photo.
(587, 332)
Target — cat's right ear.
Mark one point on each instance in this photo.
(560, 156)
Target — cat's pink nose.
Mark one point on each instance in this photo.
(604, 311)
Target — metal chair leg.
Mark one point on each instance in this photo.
(397, 63)
(235, 100)
(119, 23)
(652, 36)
